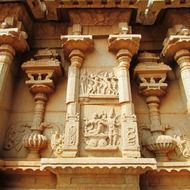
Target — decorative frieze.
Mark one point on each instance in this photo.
(99, 85)
(41, 72)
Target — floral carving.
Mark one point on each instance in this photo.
(98, 85)
(103, 131)
(14, 136)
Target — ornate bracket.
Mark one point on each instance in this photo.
(42, 72)
(151, 74)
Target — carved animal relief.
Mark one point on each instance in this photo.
(99, 85)
(102, 132)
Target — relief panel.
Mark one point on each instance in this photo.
(98, 85)
(101, 130)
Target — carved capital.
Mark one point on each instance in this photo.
(182, 57)
(84, 43)
(76, 57)
(178, 38)
(7, 53)
(128, 42)
(151, 74)
(42, 71)
(124, 58)
(11, 33)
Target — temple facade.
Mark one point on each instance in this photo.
(94, 95)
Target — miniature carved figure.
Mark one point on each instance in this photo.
(100, 84)
(103, 131)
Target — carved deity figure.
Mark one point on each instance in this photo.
(103, 130)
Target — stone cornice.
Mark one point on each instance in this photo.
(103, 165)
(147, 11)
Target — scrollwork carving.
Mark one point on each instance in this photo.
(183, 146)
(103, 131)
(130, 120)
(101, 84)
(57, 143)
(14, 136)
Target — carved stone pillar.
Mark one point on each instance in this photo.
(74, 47)
(125, 46)
(177, 47)
(152, 75)
(12, 40)
(41, 73)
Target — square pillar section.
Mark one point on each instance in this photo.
(74, 47)
(125, 45)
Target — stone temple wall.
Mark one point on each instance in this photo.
(91, 99)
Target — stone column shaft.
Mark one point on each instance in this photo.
(124, 84)
(183, 59)
(7, 54)
(72, 123)
(74, 48)
(39, 109)
(125, 46)
(153, 103)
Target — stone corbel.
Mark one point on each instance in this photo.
(177, 47)
(74, 46)
(152, 74)
(42, 72)
(12, 41)
(125, 45)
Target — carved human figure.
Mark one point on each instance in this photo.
(83, 83)
(113, 125)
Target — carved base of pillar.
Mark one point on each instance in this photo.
(97, 182)
(131, 154)
(69, 154)
(33, 155)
